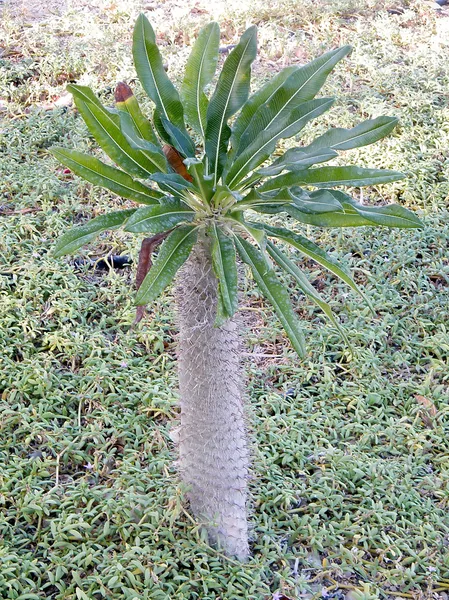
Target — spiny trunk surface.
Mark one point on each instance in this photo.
(212, 438)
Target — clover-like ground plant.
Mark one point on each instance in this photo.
(200, 165)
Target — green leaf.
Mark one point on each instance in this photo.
(157, 121)
(255, 230)
(263, 95)
(152, 75)
(83, 234)
(230, 94)
(320, 201)
(331, 176)
(141, 123)
(254, 200)
(266, 133)
(366, 133)
(304, 285)
(315, 253)
(172, 183)
(154, 219)
(105, 127)
(172, 255)
(302, 85)
(153, 152)
(200, 70)
(223, 260)
(297, 159)
(274, 291)
(93, 170)
(391, 215)
(327, 219)
(180, 139)
(205, 185)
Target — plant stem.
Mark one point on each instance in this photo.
(212, 441)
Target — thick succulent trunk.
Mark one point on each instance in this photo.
(212, 440)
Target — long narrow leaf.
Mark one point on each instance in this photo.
(230, 94)
(223, 260)
(332, 176)
(301, 86)
(152, 75)
(366, 133)
(172, 183)
(391, 215)
(200, 70)
(273, 291)
(97, 172)
(263, 95)
(318, 202)
(179, 138)
(297, 159)
(155, 219)
(269, 133)
(83, 234)
(305, 286)
(151, 151)
(172, 255)
(315, 253)
(126, 102)
(105, 127)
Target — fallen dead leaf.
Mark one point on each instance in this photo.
(429, 411)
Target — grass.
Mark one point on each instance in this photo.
(351, 459)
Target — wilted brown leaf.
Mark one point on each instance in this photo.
(429, 410)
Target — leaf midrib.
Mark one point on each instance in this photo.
(226, 107)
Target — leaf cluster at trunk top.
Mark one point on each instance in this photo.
(203, 162)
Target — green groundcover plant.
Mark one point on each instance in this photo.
(199, 185)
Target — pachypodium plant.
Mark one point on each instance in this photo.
(199, 184)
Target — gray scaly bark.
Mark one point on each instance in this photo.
(212, 437)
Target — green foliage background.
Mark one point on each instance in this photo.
(351, 469)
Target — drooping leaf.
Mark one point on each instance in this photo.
(355, 214)
(332, 176)
(302, 85)
(172, 255)
(97, 172)
(179, 138)
(267, 133)
(391, 215)
(152, 75)
(263, 95)
(315, 253)
(297, 159)
(83, 234)
(126, 102)
(172, 183)
(154, 219)
(105, 127)
(230, 94)
(328, 219)
(223, 260)
(318, 202)
(200, 70)
(273, 291)
(304, 285)
(365, 133)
